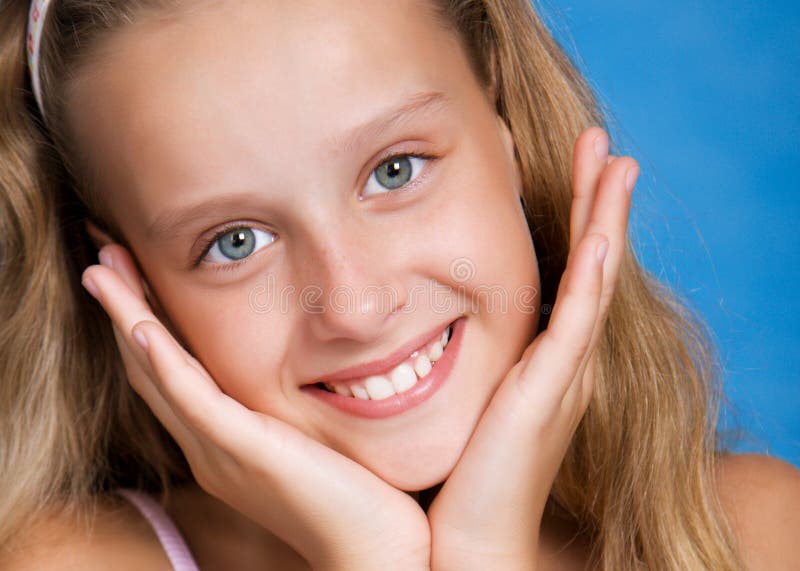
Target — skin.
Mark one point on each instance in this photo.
(272, 155)
(226, 383)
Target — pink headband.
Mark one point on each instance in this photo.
(35, 24)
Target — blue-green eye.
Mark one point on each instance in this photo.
(238, 243)
(395, 172)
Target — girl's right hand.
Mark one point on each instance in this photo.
(331, 510)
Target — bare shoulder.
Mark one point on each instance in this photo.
(118, 538)
(761, 496)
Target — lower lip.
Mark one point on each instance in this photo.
(404, 401)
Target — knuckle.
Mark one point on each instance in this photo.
(575, 342)
(205, 468)
(571, 294)
(202, 478)
(89, 272)
(626, 164)
(572, 347)
(577, 354)
(200, 416)
(590, 134)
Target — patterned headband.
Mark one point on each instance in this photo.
(35, 24)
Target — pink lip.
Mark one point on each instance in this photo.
(381, 366)
(406, 400)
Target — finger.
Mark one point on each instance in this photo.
(563, 346)
(142, 383)
(198, 402)
(120, 303)
(117, 258)
(238, 446)
(579, 391)
(245, 446)
(525, 415)
(576, 397)
(281, 453)
(190, 393)
(609, 217)
(126, 310)
(590, 155)
(183, 384)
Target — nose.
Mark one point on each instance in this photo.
(352, 290)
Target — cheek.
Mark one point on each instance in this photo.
(494, 245)
(480, 227)
(229, 337)
(496, 274)
(489, 258)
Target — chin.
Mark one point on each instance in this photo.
(417, 478)
(413, 468)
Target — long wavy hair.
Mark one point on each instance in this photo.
(639, 476)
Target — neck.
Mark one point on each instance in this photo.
(221, 537)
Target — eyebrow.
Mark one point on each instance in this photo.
(423, 102)
(417, 104)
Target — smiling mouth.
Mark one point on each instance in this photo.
(399, 378)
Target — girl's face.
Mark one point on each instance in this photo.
(275, 118)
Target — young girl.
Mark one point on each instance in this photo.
(365, 300)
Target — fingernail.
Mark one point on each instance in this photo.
(105, 258)
(630, 178)
(140, 339)
(602, 250)
(91, 287)
(601, 148)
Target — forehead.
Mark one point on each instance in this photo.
(234, 82)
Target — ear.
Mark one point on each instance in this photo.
(99, 238)
(510, 148)
(508, 138)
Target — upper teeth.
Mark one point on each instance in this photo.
(399, 379)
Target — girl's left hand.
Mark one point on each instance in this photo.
(487, 515)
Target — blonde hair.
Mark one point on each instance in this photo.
(639, 476)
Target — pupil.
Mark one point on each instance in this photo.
(395, 173)
(238, 244)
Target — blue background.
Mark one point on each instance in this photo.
(706, 96)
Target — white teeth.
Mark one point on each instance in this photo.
(422, 366)
(342, 390)
(379, 387)
(435, 351)
(403, 377)
(360, 392)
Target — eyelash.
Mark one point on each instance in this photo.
(208, 244)
(234, 264)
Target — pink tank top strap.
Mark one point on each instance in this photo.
(171, 539)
